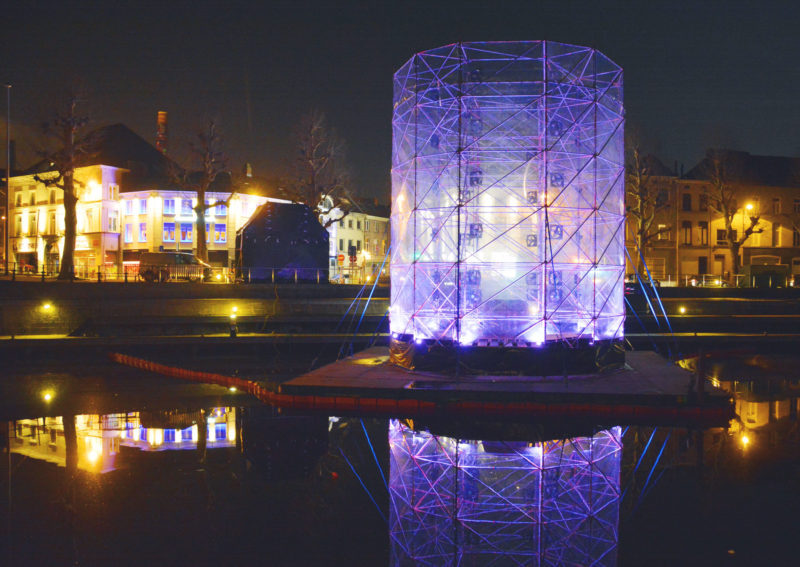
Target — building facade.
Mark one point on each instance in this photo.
(164, 220)
(366, 232)
(691, 241)
(36, 214)
(127, 205)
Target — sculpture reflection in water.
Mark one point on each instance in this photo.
(456, 502)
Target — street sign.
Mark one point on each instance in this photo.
(340, 259)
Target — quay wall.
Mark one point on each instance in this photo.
(60, 308)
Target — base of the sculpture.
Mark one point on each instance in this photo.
(577, 356)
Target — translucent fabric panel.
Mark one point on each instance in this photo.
(507, 175)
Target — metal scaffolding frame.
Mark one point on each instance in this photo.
(457, 502)
(508, 194)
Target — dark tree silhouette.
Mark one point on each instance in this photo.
(725, 198)
(319, 175)
(207, 162)
(66, 132)
(642, 203)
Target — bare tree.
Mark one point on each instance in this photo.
(319, 176)
(725, 198)
(207, 162)
(642, 202)
(66, 132)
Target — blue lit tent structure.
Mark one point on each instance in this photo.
(467, 502)
(508, 196)
(282, 241)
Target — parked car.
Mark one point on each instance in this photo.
(708, 281)
(163, 266)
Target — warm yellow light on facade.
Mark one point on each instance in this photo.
(47, 306)
(749, 206)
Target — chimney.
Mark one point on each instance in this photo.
(161, 133)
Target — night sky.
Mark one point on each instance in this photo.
(697, 74)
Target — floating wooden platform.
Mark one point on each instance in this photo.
(649, 389)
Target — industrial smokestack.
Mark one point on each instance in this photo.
(161, 132)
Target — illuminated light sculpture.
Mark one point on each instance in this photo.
(507, 196)
(455, 502)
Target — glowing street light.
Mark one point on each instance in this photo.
(47, 395)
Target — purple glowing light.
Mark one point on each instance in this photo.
(507, 194)
(467, 502)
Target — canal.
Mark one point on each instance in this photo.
(105, 464)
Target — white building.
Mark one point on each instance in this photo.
(365, 231)
(126, 205)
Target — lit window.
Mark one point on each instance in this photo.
(208, 233)
(129, 207)
(703, 225)
(112, 222)
(186, 232)
(169, 232)
(209, 209)
(186, 208)
(142, 206)
(220, 233)
(221, 209)
(113, 191)
(142, 232)
(686, 227)
(169, 206)
(128, 232)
